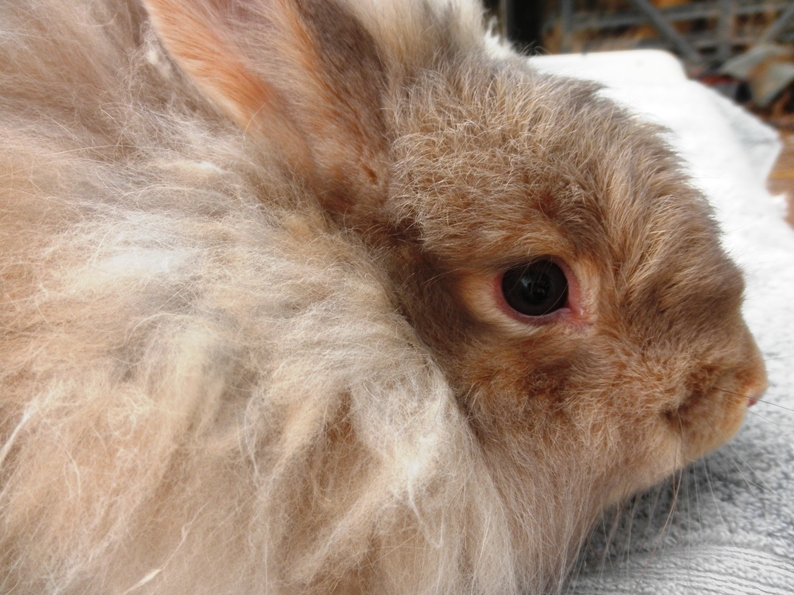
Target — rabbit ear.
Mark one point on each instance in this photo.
(302, 75)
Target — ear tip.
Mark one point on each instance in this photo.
(304, 78)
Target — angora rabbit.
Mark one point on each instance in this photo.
(321, 296)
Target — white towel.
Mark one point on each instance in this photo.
(731, 529)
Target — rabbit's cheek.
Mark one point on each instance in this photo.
(506, 392)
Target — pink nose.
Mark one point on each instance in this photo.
(754, 396)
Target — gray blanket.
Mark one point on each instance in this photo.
(725, 525)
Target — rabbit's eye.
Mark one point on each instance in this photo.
(535, 289)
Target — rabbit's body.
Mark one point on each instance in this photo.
(269, 358)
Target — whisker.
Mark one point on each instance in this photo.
(730, 445)
(776, 423)
(778, 405)
(676, 480)
(777, 357)
(762, 483)
(764, 401)
(610, 536)
(652, 511)
(717, 501)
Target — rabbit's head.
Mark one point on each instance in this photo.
(543, 243)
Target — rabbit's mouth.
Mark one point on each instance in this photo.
(716, 403)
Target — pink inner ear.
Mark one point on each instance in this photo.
(199, 39)
(305, 77)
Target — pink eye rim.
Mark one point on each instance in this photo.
(536, 289)
(572, 311)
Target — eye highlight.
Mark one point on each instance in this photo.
(538, 288)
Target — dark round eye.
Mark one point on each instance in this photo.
(535, 289)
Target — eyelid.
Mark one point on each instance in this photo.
(508, 310)
(574, 302)
(481, 293)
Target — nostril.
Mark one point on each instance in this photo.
(752, 376)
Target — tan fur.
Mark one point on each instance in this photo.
(250, 337)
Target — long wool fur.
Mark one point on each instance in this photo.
(195, 385)
(234, 360)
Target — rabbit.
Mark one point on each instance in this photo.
(328, 296)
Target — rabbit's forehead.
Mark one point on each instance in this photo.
(495, 168)
(499, 152)
(538, 161)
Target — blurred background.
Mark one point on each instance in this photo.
(743, 49)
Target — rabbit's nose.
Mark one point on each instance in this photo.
(755, 394)
(755, 386)
(751, 375)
